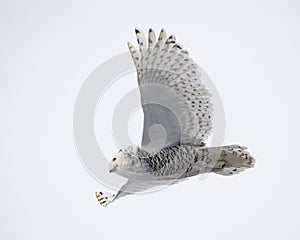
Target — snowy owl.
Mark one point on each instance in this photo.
(178, 119)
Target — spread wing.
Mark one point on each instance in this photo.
(177, 106)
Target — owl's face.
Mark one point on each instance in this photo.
(124, 162)
(117, 162)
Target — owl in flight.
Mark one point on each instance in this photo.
(178, 118)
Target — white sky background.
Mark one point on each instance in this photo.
(250, 49)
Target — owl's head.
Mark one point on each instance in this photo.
(126, 161)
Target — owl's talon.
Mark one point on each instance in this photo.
(104, 198)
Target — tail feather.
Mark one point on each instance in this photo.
(233, 160)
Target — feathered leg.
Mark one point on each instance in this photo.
(130, 187)
(105, 198)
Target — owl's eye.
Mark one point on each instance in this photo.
(114, 159)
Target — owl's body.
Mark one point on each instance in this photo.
(165, 164)
(171, 165)
(182, 161)
(173, 97)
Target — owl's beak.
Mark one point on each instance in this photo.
(112, 169)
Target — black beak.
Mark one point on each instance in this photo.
(112, 169)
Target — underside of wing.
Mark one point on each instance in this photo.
(177, 106)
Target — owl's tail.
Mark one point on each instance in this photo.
(232, 159)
